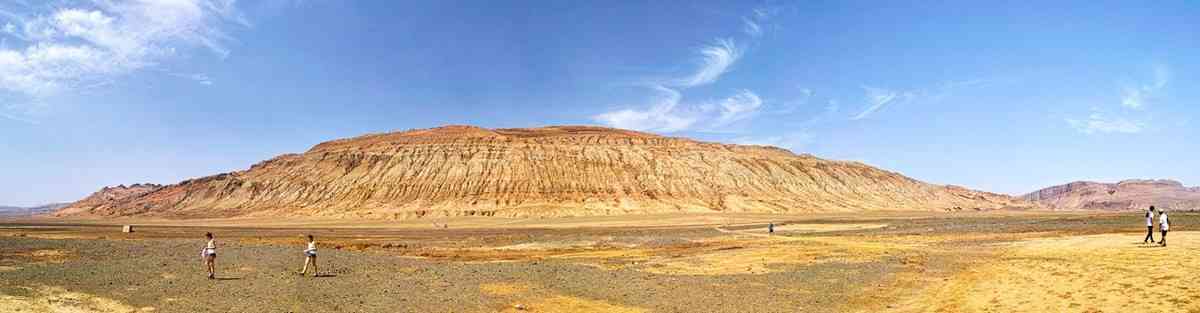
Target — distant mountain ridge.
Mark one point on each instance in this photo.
(534, 172)
(34, 210)
(1132, 194)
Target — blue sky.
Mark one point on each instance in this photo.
(1000, 97)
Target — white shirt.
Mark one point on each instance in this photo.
(312, 247)
(1162, 222)
(1149, 219)
(212, 244)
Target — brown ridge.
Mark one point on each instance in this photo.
(548, 171)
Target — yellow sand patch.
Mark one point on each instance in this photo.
(1099, 273)
(48, 253)
(743, 253)
(54, 236)
(407, 270)
(40, 233)
(503, 289)
(548, 246)
(758, 256)
(51, 256)
(640, 254)
(59, 300)
(559, 304)
(8, 268)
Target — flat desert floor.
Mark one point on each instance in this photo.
(894, 262)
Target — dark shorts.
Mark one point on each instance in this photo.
(310, 254)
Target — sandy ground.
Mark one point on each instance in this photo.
(1096, 273)
(994, 262)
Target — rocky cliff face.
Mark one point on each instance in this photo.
(552, 171)
(1124, 195)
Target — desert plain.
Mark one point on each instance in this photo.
(863, 262)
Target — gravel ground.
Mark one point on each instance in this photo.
(166, 274)
(159, 270)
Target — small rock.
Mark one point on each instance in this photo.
(127, 229)
(520, 307)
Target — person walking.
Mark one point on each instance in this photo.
(209, 254)
(1164, 226)
(310, 256)
(1149, 226)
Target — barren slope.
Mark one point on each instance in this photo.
(552, 171)
(1124, 195)
(106, 196)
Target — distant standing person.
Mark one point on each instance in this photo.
(1164, 226)
(310, 256)
(1149, 226)
(209, 254)
(771, 228)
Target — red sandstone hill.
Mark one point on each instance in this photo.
(549, 171)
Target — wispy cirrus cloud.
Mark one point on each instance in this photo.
(800, 136)
(200, 78)
(751, 27)
(794, 104)
(668, 112)
(1134, 101)
(742, 105)
(1136, 96)
(716, 59)
(754, 24)
(662, 116)
(53, 49)
(878, 98)
(1099, 123)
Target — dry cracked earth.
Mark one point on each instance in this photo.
(962, 262)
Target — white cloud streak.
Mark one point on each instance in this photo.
(89, 43)
(668, 114)
(716, 59)
(754, 25)
(738, 107)
(1135, 97)
(791, 106)
(662, 116)
(200, 78)
(1098, 123)
(878, 98)
(751, 27)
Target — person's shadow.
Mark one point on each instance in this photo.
(1141, 245)
(324, 275)
(229, 278)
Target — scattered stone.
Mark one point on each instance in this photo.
(127, 229)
